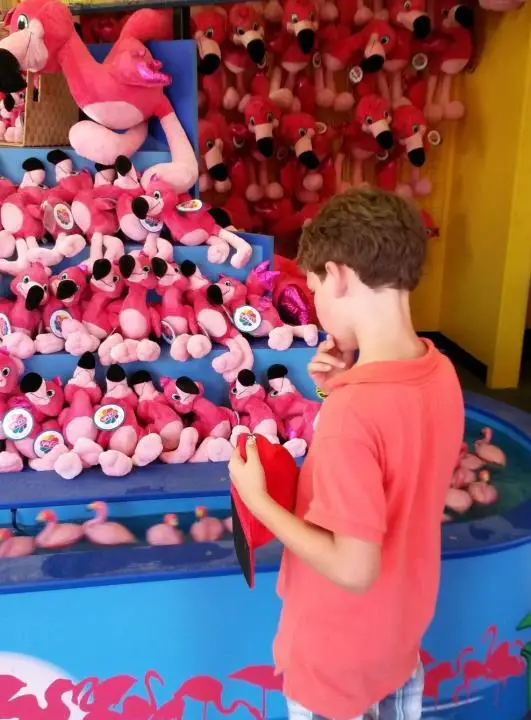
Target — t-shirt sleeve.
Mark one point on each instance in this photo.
(348, 495)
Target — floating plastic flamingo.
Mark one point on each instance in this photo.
(482, 491)
(57, 535)
(166, 532)
(486, 451)
(103, 532)
(206, 529)
(15, 546)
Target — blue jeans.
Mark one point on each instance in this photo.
(404, 704)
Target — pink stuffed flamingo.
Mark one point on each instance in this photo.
(103, 532)
(15, 546)
(486, 451)
(57, 535)
(206, 529)
(166, 532)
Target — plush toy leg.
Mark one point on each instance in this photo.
(115, 463)
(148, 351)
(89, 451)
(10, 462)
(18, 344)
(7, 244)
(13, 267)
(281, 96)
(452, 109)
(101, 145)
(309, 333)
(187, 446)
(238, 357)
(421, 186)
(281, 338)
(212, 450)
(458, 500)
(114, 247)
(105, 349)
(148, 450)
(182, 172)
(178, 349)
(68, 465)
(433, 111)
(198, 346)
(243, 250)
(170, 435)
(238, 430)
(77, 338)
(218, 250)
(70, 245)
(296, 447)
(48, 343)
(47, 462)
(324, 97)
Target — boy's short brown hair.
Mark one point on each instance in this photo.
(377, 234)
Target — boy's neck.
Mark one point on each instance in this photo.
(386, 332)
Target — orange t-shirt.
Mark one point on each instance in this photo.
(386, 444)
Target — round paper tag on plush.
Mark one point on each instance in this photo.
(192, 205)
(382, 156)
(167, 332)
(63, 216)
(247, 318)
(152, 224)
(5, 325)
(46, 441)
(434, 138)
(420, 61)
(17, 424)
(57, 319)
(109, 417)
(316, 60)
(355, 75)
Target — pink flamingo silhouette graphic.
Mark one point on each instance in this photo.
(262, 676)
(440, 673)
(103, 695)
(136, 708)
(206, 690)
(26, 707)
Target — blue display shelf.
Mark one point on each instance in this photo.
(111, 7)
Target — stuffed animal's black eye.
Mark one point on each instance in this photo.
(64, 276)
(23, 22)
(146, 268)
(240, 31)
(175, 396)
(157, 195)
(50, 393)
(273, 393)
(210, 144)
(234, 391)
(26, 279)
(209, 33)
(115, 278)
(5, 371)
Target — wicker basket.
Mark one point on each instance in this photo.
(48, 119)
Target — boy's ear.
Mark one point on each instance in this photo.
(336, 277)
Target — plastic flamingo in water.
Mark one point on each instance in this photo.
(482, 491)
(166, 532)
(57, 535)
(206, 529)
(486, 451)
(103, 532)
(15, 546)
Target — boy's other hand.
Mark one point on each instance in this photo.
(248, 476)
(328, 362)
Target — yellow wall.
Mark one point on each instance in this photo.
(487, 224)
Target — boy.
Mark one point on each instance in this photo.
(360, 572)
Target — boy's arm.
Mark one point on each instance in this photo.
(340, 536)
(346, 561)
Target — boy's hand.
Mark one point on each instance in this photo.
(248, 477)
(328, 362)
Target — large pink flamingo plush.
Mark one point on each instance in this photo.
(121, 94)
(15, 545)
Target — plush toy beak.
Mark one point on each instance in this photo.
(416, 22)
(66, 289)
(464, 16)
(208, 55)
(34, 297)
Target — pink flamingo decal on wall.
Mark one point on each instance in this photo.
(262, 676)
(441, 672)
(206, 690)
